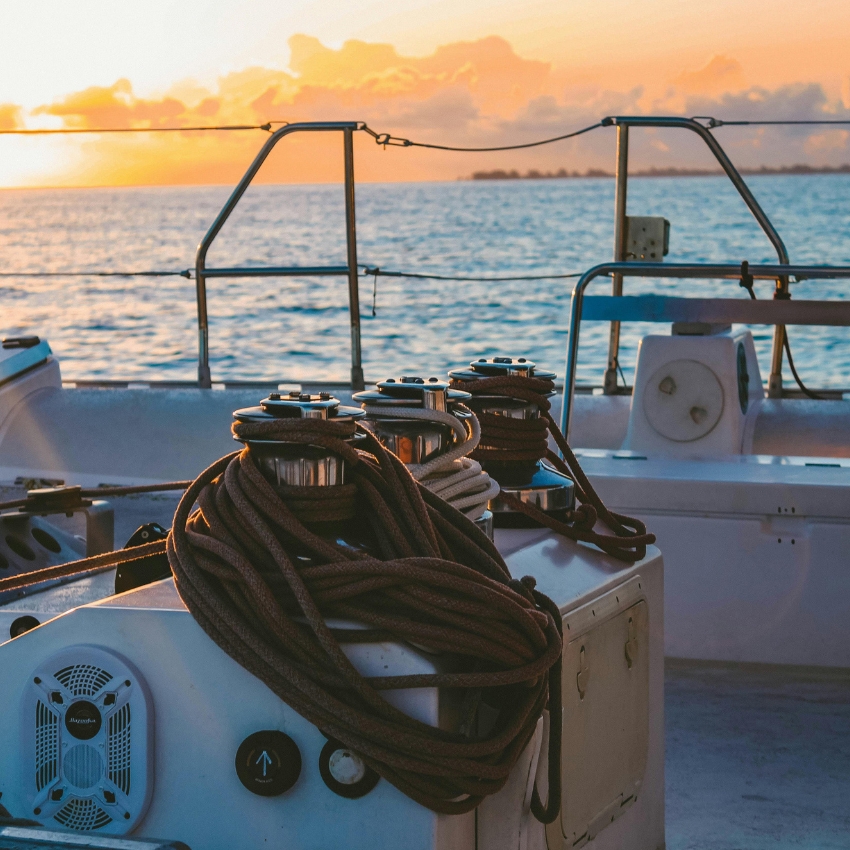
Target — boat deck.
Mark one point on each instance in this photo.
(758, 756)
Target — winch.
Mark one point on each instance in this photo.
(290, 467)
(294, 464)
(514, 436)
(428, 426)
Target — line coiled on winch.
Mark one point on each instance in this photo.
(504, 438)
(263, 587)
(452, 475)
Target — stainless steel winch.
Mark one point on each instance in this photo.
(288, 465)
(295, 464)
(533, 482)
(413, 441)
(425, 421)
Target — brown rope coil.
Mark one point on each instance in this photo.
(264, 586)
(504, 438)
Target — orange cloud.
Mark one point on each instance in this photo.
(118, 107)
(472, 93)
(10, 116)
(722, 74)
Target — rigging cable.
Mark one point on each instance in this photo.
(68, 131)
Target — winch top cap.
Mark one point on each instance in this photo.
(407, 390)
(298, 405)
(490, 367)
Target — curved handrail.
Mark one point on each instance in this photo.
(201, 271)
(726, 164)
(726, 271)
(623, 122)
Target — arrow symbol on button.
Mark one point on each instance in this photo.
(265, 760)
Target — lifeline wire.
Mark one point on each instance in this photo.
(395, 141)
(188, 274)
(66, 131)
(719, 122)
(382, 273)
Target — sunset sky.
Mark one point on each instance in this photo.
(479, 72)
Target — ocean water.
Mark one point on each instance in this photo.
(296, 329)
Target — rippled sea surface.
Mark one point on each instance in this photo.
(296, 329)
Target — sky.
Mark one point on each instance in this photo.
(480, 72)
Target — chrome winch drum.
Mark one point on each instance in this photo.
(413, 441)
(533, 482)
(295, 464)
(417, 441)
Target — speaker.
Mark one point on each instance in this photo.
(87, 742)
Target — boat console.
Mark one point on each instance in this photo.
(191, 746)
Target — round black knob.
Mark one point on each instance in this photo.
(83, 719)
(345, 772)
(21, 625)
(268, 763)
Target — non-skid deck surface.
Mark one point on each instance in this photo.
(757, 757)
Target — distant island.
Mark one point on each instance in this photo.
(563, 174)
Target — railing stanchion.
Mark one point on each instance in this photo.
(357, 382)
(620, 223)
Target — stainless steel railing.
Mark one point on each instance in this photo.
(658, 309)
(623, 123)
(202, 273)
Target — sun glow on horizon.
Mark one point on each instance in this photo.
(465, 87)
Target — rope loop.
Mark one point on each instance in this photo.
(504, 438)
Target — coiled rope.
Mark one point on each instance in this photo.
(453, 475)
(267, 589)
(504, 438)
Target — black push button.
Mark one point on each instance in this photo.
(83, 720)
(268, 763)
(345, 772)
